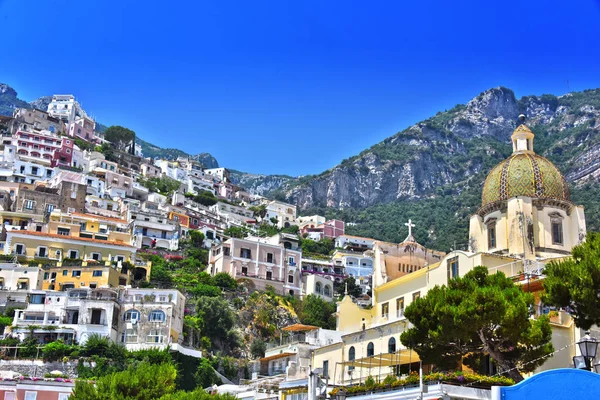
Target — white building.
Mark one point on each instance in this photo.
(18, 277)
(65, 108)
(151, 318)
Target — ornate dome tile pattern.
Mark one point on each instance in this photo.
(524, 174)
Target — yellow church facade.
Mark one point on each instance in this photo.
(526, 220)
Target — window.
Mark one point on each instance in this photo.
(131, 315)
(97, 273)
(42, 252)
(34, 170)
(30, 395)
(155, 336)
(270, 257)
(19, 249)
(28, 204)
(318, 288)
(269, 275)
(452, 268)
(65, 272)
(326, 369)
(291, 261)
(400, 306)
(557, 232)
(73, 254)
(162, 299)
(351, 356)
(290, 278)
(385, 310)
(63, 396)
(157, 316)
(64, 231)
(370, 349)
(491, 229)
(392, 345)
(37, 298)
(327, 291)
(12, 396)
(96, 256)
(245, 253)
(416, 295)
(76, 273)
(129, 336)
(49, 208)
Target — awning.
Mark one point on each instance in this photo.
(276, 356)
(299, 328)
(298, 383)
(385, 359)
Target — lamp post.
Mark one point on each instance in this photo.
(587, 347)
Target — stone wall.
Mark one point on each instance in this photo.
(39, 368)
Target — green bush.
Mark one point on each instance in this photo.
(56, 350)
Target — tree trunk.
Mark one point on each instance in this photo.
(508, 367)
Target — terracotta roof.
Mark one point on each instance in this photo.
(299, 328)
(95, 216)
(276, 356)
(56, 236)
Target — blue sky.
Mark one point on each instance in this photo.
(290, 87)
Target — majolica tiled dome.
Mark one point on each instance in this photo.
(524, 173)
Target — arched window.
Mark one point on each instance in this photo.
(392, 345)
(370, 349)
(318, 288)
(351, 356)
(157, 316)
(131, 315)
(327, 291)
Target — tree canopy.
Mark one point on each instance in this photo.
(354, 289)
(316, 311)
(479, 313)
(575, 282)
(119, 135)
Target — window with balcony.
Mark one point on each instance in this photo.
(157, 316)
(37, 299)
(63, 231)
(20, 249)
(74, 254)
(385, 310)
(129, 336)
(42, 252)
(96, 256)
(155, 336)
(400, 306)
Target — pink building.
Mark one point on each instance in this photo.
(39, 147)
(64, 155)
(39, 390)
(83, 128)
(333, 228)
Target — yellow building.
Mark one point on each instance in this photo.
(526, 220)
(85, 274)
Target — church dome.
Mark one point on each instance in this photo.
(524, 173)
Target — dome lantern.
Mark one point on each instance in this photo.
(522, 138)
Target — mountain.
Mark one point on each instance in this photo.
(9, 100)
(260, 184)
(41, 103)
(433, 170)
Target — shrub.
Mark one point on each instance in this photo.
(56, 350)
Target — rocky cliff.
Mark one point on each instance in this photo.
(456, 148)
(260, 184)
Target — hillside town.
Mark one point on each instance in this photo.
(86, 217)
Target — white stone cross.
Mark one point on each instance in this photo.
(410, 226)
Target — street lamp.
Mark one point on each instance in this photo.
(587, 347)
(341, 395)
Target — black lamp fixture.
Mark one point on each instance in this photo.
(341, 395)
(587, 347)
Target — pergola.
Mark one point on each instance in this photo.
(402, 356)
